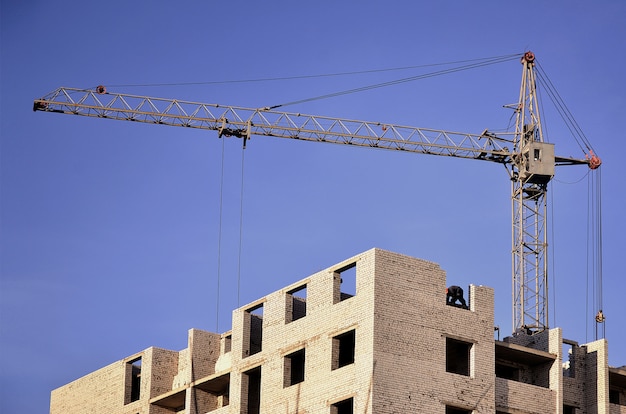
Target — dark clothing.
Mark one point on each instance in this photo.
(454, 293)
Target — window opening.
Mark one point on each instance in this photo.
(568, 409)
(568, 360)
(614, 396)
(133, 381)
(296, 304)
(521, 369)
(617, 388)
(343, 349)
(458, 356)
(228, 341)
(294, 368)
(343, 407)
(345, 282)
(254, 321)
(251, 390)
(456, 410)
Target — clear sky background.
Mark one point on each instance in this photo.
(110, 230)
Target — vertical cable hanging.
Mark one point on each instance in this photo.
(598, 254)
(594, 254)
(243, 152)
(588, 282)
(219, 245)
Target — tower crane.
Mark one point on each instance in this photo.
(529, 160)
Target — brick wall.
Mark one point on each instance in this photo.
(392, 346)
(412, 322)
(105, 391)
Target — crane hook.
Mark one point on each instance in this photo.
(600, 318)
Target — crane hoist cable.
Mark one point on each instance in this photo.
(398, 81)
(596, 250)
(594, 214)
(219, 242)
(594, 284)
(593, 275)
(324, 75)
(564, 111)
(243, 153)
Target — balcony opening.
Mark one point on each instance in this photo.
(507, 371)
(213, 393)
(568, 359)
(345, 283)
(343, 349)
(294, 368)
(172, 403)
(343, 407)
(518, 365)
(296, 304)
(133, 381)
(254, 324)
(251, 391)
(458, 356)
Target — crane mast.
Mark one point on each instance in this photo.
(530, 161)
(532, 170)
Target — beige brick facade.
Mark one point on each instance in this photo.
(390, 346)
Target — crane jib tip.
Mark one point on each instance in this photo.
(593, 160)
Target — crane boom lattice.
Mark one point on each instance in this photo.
(244, 123)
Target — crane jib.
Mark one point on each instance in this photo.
(231, 121)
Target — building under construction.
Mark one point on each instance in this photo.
(392, 344)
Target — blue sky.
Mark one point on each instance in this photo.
(110, 230)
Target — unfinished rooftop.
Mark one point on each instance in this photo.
(372, 334)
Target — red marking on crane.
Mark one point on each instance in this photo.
(529, 57)
(594, 160)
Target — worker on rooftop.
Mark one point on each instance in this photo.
(454, 293)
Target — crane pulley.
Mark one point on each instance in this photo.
(529, 159)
